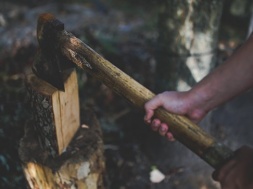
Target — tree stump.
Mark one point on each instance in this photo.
(49, 161)
(80, 166)
(56, 151)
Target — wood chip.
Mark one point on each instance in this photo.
(85, 126)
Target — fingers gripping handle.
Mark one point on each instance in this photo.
(196, 139)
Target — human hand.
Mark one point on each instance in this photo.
(238, 172)
(180, 103)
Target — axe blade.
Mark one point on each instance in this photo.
(49, 62)
(46, 70)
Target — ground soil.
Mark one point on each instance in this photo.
(132, 150)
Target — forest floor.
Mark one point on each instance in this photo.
(132, 150)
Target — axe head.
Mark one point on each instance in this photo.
(49, 62)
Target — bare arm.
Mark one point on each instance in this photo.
(225, 82)
(228, 80)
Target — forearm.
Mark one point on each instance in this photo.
(228, 80)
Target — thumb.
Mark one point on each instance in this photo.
(154, 103)
(148, 116)
(150, 106)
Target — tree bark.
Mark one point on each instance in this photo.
(48, 159)
(80, 166)
(56, 113)
(187, 42)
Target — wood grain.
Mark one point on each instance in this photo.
(185, 131)
(56, 113)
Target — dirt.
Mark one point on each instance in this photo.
(132, 150)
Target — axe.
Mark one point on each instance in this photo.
(61, 50)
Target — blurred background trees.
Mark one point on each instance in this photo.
(187, 42)
(163, 44)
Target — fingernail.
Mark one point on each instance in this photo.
(170, 137)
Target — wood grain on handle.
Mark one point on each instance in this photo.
(182, 128)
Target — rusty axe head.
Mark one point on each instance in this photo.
(49, 62)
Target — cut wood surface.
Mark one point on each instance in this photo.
(56, 151)
(80, 166)
(56, 113)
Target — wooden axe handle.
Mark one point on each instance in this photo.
(182, 128)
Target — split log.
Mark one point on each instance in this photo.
(56, 113)
(56, 152)
(80, 166)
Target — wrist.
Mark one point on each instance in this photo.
(199, 103)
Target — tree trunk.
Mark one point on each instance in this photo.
(187, 42)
